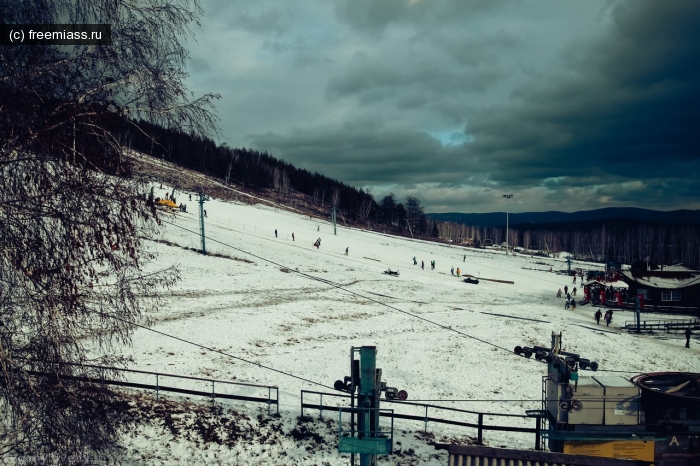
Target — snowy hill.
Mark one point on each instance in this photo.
(287, 305)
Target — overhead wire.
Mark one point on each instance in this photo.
(354, 293)
(341, 287)
(184, 340)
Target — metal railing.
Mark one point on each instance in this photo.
(480, 425)
(157, 387)
(662, 325)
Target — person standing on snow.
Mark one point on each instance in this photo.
(608, 317)
(597, 316)
(292, 236)
(415, 262)
(275, 232)
(559, 293)
(688, 333)
(346, 250)
(566, 303)
(458, 272)
(452, 271)
(573, 304)
(422, 265)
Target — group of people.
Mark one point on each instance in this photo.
(292, 235)
(570, 301)
(570, 297)
(317, 244)
(422, 264)
(452, 270)
(607, 318)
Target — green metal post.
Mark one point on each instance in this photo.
(368, 369)
(352, 401)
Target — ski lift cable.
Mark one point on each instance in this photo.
(189, 342)
(340, 287)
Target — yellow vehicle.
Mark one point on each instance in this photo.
(167, 203)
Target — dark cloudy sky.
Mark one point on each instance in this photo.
(569, 105)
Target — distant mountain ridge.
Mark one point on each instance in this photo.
(496, 219)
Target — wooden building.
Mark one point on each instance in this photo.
(665, 288)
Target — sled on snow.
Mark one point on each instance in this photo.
(471, 280)
(393, 273)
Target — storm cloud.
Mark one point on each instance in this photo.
(569, 105)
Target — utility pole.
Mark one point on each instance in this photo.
(201, 219)
(365, 436)
(368, 421)
(507, 196)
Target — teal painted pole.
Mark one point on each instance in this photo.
(352, 400)
(368, 369)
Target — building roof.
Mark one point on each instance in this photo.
(678, 268)
(661, 282)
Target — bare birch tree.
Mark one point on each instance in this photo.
(72, 217)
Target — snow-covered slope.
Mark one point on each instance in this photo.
(254, 304)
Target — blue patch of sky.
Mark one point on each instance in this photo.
(452, 137)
